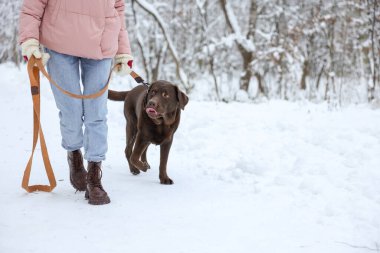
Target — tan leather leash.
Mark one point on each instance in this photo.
(34, 67)
(34, 78)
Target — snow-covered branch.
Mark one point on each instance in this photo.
(234, 25)
(154, 13)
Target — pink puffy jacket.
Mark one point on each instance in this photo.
(92, 29)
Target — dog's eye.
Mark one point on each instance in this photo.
(165, 95)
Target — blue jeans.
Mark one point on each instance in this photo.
(75, 113)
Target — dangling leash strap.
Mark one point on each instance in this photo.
(34, 78)
(41, 68)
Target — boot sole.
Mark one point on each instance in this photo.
(97, 203)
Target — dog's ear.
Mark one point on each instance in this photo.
(182, 98)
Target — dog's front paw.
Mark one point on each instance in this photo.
(144, 166)
(134, 171)
(166, 180)
(141, 165)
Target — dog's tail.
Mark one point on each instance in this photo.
(117, 95)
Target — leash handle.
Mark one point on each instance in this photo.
(34, 78)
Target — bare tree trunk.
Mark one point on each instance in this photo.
(375, 66)
(319, 77)
(330, 85)
(305, 73)
(159, 56)
(261, 87)
(246, 53)
(140, 44)
(247, 74)
(326, 89)
(281, 34)
(310, 46)
(203, 12)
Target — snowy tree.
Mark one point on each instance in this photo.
(373, 9)
(9, 13)
(244, 40)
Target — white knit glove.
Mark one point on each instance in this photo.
(32, 47)
(125, 61)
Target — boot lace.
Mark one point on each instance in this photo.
(95, 177)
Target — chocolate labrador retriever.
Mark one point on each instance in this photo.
(153, 116)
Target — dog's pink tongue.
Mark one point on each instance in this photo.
(151, 111)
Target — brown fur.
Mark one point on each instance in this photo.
(152, 116)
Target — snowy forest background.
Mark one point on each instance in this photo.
(246, 50)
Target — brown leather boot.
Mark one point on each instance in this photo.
(95, 193)
(77, 171)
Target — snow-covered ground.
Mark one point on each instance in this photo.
(270, 177)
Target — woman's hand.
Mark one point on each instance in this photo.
(32, 47)
(125, 62)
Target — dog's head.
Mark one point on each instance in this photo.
(164, 98)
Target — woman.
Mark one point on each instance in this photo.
(80, 38)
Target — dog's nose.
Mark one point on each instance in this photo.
(152, 103)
